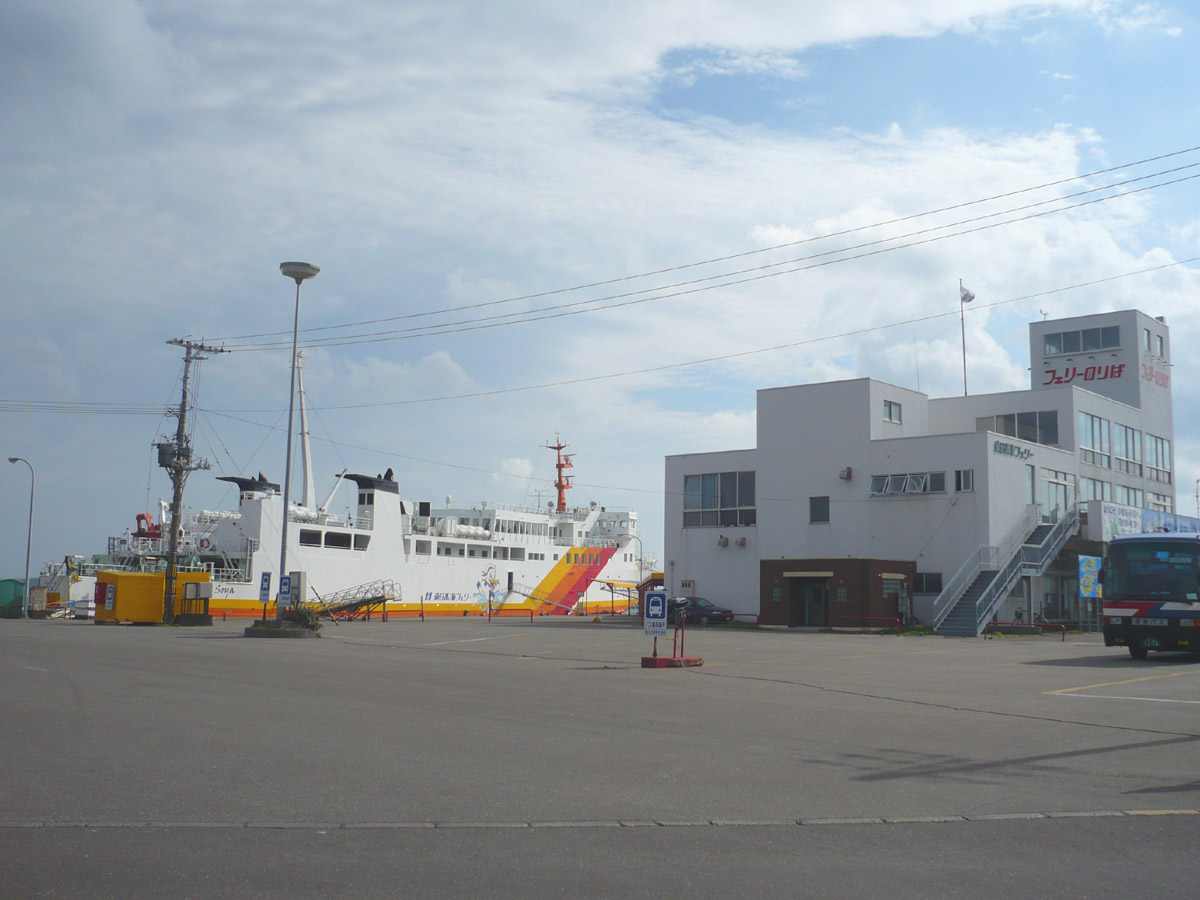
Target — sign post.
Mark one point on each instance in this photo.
(264, 592)
(285, 590)
(655, 625)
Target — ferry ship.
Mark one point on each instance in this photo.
(401, 556)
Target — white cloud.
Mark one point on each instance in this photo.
(161, 159)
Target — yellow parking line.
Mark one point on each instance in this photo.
(1087, 687)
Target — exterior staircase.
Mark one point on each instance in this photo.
(960, 621)
(972, 596)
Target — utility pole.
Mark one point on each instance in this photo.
(176, 457)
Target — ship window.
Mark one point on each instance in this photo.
(361, 541)
(310, 538)
(518, 553)
(338, 539)
(423, 548)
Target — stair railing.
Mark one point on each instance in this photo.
(953, 589)
(1019, 561)
(985, 556)
(1036, 559)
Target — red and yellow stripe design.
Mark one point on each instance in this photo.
(572, 575)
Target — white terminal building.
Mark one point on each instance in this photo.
(864, 501)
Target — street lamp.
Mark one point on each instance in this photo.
(641, 554)
(298, 271)
(641, 575)
(29, 536)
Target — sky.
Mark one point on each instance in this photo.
(610, 223)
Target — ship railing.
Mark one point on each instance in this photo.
(92, 569)
(303, 516)
(599, 544)
(225, 575)
(214, 517)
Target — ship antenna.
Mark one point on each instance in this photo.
(563, 482)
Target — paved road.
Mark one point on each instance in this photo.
(513, 759)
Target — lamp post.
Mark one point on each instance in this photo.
(298, 272)
(641, 555)
(964, 297)
(641, 577)
(29, 535)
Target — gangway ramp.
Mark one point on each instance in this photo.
(358, 601)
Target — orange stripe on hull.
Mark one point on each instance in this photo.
(570, 578)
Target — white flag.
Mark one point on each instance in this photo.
(964, 295)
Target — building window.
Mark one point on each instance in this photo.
(1127, 449)
(927, 583)
(1146, 339)
(1128, 496)
(1158, 502)
(818, 510)
(914, 483)
(1094, 489)
(891, 411)
(964, 480)
(1158, 459)
(1159, 349)
(1035, 427)
(1061, 342)
(724, 499)
(1093, 440)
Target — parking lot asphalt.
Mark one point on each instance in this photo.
(456, 758)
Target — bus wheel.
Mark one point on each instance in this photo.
(1139, 652)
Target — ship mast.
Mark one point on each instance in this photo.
(563, 482)
(176, 457)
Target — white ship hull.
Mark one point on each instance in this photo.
(409, 557)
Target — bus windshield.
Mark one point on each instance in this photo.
(1163, 570)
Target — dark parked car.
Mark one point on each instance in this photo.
(697, 610)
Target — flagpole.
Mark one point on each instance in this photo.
(963, 321)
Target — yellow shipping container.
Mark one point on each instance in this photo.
(138, 596)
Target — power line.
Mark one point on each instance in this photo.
(740, 354)
(695, 286)
(84, 408)
(98, 408)
(743, 254)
